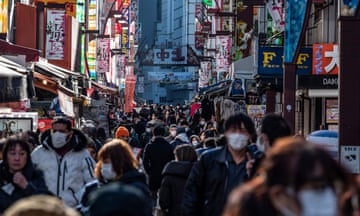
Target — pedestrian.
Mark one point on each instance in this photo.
(116, 164)
(40, 205)
(118, 199)
(220, 170)
(65, 161)
(18, 177)
(174, 175)
(181, 137)
(123, 133)
(298, 178)
(172, 133)
(273, 127)
(158, 152)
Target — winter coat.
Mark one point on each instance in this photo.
(133, 178)
(172, 187)
(65, 176)
(36, 185)
(180, 139)
(208, 186)
(158, 152)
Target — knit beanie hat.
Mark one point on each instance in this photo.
(122, 132)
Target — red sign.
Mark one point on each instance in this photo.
(44, 124)
(325, 59)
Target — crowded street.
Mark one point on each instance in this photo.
(179, 108)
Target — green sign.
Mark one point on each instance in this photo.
(208, 2)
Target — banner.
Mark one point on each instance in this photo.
(223, 49)
(55, 34)
(130, 84)
(118, 68)
(4, 6)
(244, 29)
(326, 59)
(66, 104)
(92, 25)
(277, 13)
(102, 55)
(294, 18)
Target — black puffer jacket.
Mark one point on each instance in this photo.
(208, 185)
(172, 187)
(157, 154)
(36, 185)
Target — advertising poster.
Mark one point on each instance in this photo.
(332, 111)
(277, 13)
(55, 34)
(349, 158)
(256, 112)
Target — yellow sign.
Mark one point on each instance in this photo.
(3, 15)
(70, 5)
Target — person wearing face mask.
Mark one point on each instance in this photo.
(297, 179)
(172, 133)
(65, 161)
(116, 164)
(220, 170)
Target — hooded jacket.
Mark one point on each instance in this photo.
(65, 176)
(172, 187)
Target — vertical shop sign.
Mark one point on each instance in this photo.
(326, 59)
(91, 58)
(3, 15)
(102, 55)
(130, 84)
(204, 74)
(55, 34)
(223, 53)
(92, 15)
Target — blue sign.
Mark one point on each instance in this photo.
(295, 11)
(270, 61)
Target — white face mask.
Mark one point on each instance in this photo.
(195, 143)
(173, 133)
(318, 202)
(148, 130)
(237, 141)
(58, 139)
(107, 171)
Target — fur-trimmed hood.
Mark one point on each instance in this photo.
(78, 140)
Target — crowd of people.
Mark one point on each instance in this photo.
(170, 160)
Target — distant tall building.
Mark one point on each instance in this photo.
(168, 61)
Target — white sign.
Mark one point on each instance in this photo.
(66, 104)
(55, 34)
(349, 158)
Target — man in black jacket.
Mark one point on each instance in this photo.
(220, 170)
(158, 152)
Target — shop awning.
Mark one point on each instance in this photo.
(13, 49)
(13, 85)
(107, 89)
